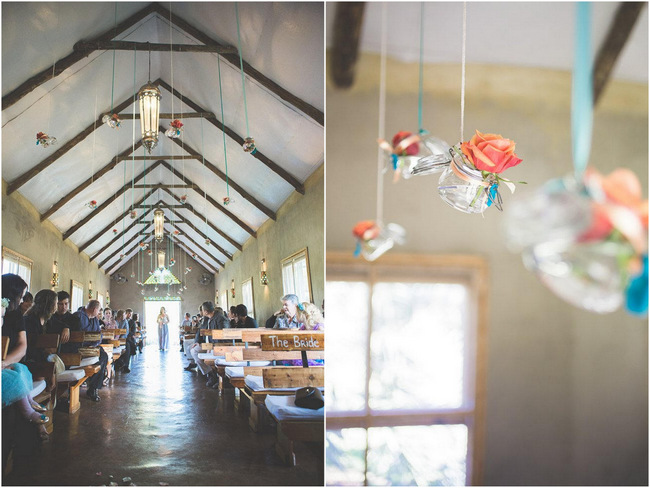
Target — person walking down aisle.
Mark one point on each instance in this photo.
(163, 329)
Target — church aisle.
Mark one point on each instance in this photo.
(159, 425)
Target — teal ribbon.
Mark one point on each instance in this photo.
(582, 91)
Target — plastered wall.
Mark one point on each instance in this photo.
(23, 232)
(567, 390)
(299, 225)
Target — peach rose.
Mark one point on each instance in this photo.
(490, 152)
(412, 149)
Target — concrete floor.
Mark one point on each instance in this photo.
(159, 425)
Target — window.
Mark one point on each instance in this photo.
(410, 412)
(223, 301)
(15, 263)
(247, 296)
(100, 298)
(295, 276)
(76, 295)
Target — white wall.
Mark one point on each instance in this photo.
(567, 390)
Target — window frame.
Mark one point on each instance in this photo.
(22, 260)
(291, 259)
(224, 299)
(473, 271)
(251, 307)
(80, 285)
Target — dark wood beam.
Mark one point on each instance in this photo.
(110, 200)
(118, 237)
(233, 59)
(118, 264)
(138, 237)
(198, 258)
(149, 158)
(89, 46)
(201, 248)
(168, 206)
(273, 166)
(165, 115)
(247, 196)
(212, 201)
(114, 162)
(190, 208)
(106, 229)
(619, 32)
(64, 148)
(345, 50)
(62, 64)
(162, 186)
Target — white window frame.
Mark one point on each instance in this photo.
(288, 285)
(223, 300)
(473, 271)
(13, 262)
(76, 295)
(247, 296)
(100, 299)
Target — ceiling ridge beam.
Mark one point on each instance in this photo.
(105, 229)
(272, 165)
(95, 177)
(64, 148)
(117, 238)
(64, 63)
(308, 109)
(212, 201)
(138, 236)
(189, 207)
(167, 115)
(247, 196)
(195, 229)
(201, 248)
(89, 46)
(107, 202)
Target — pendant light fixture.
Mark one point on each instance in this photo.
(158, 223)
(149, 96)
(161, 259)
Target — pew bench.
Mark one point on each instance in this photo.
(79, 366)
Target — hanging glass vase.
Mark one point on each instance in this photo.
(374, 239)
(412, 154)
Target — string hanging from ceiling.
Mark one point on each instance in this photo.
(113, 120)
(226, 200)
(249, 142)
(92, 204)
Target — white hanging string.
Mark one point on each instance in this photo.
(462, 76)
(92, 180)
(382, 113)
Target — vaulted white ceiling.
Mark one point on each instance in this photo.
(282, 41)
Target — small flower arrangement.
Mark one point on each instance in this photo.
(375, 238)
(188, 269)
(44, 140)
(249, 145)
(172, 262)
(133, 214)
(122, 256)
(143, 245)
(227, 201)
(114, 232)
(177, 232)
(175, 129)
(208, 242)
(92, 204)
(412, 154)
(113, 121)
(183, 199)
(149, 252)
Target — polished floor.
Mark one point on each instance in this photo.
(159, 426)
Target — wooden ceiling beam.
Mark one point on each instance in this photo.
(233, 59)
(89, 46)
(212, 201)
(619, 32)
(117, 238)
(165, 115)
(163, 186)
(110, 200)
(198, 258)
(201, 248)
(64, 148)
(190, 208)
(135, 238)
(272, 165)
(106, 229)
(127, 256)
(64, 63)
(347, 33)
(149, 158)
(114, 162)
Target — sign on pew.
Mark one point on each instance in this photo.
(293, 377)
(257, 354)
(296, 341)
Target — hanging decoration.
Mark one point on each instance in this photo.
(177, 232)
(114, 232)
(183, 199)
(249, 142)
(133, 215)
(172, 262)
(149, 252)
(175, 129)
(113, 121)
(143, 246)
(44, 140)
(373, 237)
(208, 242)
(149, 96)
(226, 199)
(92, 204)
(585, 236)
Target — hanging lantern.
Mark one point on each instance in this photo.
(161, 259)
(149, 96)
(158, 223)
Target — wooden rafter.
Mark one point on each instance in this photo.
(165, 115)
(110, 200)
(162, 186)
(201, 248)
(89, 46)
(114, 162)
(62, 64)
(127, 258)
(247, 196)
(125, 231)
(198, 258)
(135, 238)
(619, 31)
(149, 158)
(105, 229)
(233, 59)
(64, 148)
(347, 33)
(190, 208)
(273, 166)
(212, 201)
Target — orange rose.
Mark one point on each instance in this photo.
(412, 148)
(490, 152)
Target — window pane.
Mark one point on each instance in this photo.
(347, 336)
(346, 452)
(247, 296)
(287, 279)
(300, 279)
(418, 346)
(417, 455)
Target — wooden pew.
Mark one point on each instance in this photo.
(48, 344)
(78, 367)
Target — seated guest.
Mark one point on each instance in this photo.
(62, 322)
(136, 321)
(16, 378)
(109, 320)
(130, 338)
(186, 323)
(216, 320)
(27, 302)
(89, 323)
(123, 322)
(232, 315)
(197, 338)
(310, 317)
(195, 321)
(287, 319)
(243, 321)
(45, 304)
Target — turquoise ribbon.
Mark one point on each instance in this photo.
(582, 91)
(357, 250)
(636, 295)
